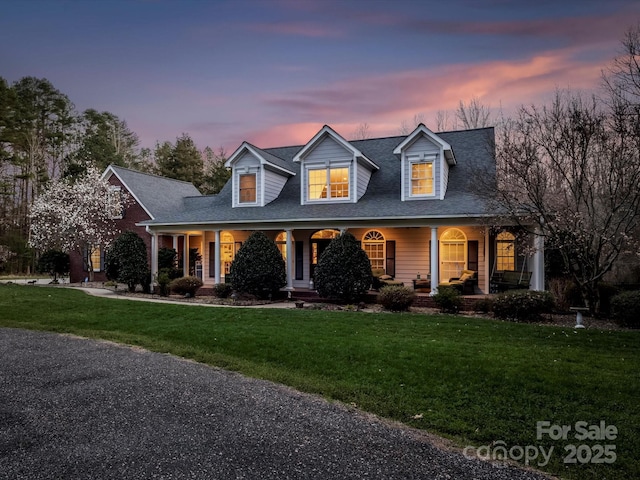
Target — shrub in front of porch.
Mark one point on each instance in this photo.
(222, 290)
(522, 305)
(258, 268)
(343, 272)
(396, 298)
(448, 299)
(187, 286)
(126, 260)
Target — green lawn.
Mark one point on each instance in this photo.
(474, 381)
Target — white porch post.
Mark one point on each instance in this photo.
(154, 256)
(185, 256)
(435, 271)
(216, 259)
(175, 242)
(537, 275)
(487, 263)
(289, 286)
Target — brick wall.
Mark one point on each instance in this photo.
(132, 215)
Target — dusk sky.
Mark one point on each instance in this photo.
(273, 72)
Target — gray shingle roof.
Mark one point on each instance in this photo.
(158, 195)
(382, 201)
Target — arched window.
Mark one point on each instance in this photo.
(453, 253)
(505, 251)
(281, 242)
(373, 244)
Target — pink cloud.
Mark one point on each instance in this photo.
(385, 100)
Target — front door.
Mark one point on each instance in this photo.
(318, 242)
(317, 247)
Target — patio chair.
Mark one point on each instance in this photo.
(465, 283)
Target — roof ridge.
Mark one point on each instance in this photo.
(113, 166)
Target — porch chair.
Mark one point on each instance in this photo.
(381, 279)
(465, 283)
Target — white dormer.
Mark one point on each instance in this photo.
(333, 170)
(426, 159)
(257, 177)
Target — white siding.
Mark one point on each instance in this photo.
(328, 151)
(413, 250)
(364, 175)
(273, 184)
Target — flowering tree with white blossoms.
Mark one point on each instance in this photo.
(76, 215)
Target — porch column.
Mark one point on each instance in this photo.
(537, 275)
(216, 257)
(154, 256)
(487, 263)
(185, 256)
(175, 242)
(289, 286)
(435, 271)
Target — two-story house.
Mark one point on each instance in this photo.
(413, 202)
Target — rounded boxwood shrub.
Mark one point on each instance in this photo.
(625, 307)
(448, 300)
(258, 268)
(343, 272)
(522, 305)
(222, 290)
(396, 298)
(126, 260)
(187, 286)
(54, 262)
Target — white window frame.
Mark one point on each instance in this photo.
(423, 161)
(327, 169)
(255, 180)
(375, 237)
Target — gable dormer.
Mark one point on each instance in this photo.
(332, 169)
(426, 159)
(257, 177)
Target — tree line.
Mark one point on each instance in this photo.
(44, 138)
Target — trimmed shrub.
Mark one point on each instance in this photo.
(625, 307)
(258, 268)
(126, 260)
(167, 261)
(163, 280)
(343, 272)
(187, 286)
(55, 263)
(222, 290)
(448, 300)
(396, 298)
(484, 305)
(522, 305)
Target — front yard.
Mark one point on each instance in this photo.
(478, 382)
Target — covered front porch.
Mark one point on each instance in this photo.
(410, 255)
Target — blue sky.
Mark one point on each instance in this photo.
(272, 72)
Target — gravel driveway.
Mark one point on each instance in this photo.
(72, 408)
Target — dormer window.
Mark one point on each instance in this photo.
(247, 193)
(422, 178)
(328, 183)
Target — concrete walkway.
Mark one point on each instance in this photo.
(72, 408)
